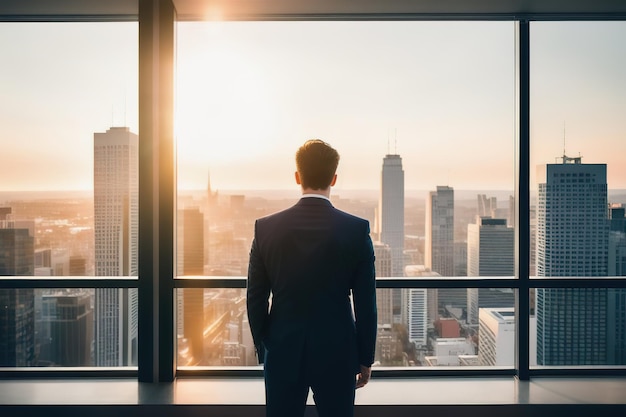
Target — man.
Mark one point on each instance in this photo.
(309, 259)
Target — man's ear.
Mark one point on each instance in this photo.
(298, 181)
(332, 183)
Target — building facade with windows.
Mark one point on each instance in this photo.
(116, 228)
(496, 336)
(17, 306)
(574, 325)
(391, 211)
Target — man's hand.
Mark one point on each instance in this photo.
(364, 377)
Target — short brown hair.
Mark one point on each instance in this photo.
(316, 162)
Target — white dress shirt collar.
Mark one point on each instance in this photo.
(310, 195)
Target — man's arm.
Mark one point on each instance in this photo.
(364, 298)
(257, 299)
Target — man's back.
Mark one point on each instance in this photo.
(313, 256)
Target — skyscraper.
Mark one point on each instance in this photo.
(391, 214)
(439, 244)
(617, 241)
(490, 248)
(116, 217)
(572, 241)
(439, 248)
(391, 211)
(490, 253)
(190, 259)
(384, 296)
(67, 319)
(17, 306)
(617, 296)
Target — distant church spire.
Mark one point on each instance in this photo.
(211, 195)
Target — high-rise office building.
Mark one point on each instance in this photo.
(572, 226)
(490, 253)
(439, 245)
(496, 337)
(617, 241)
(116, 219)
(384, 296)
(490, 248)
(617, 296)
(391, 214)
(17, 306)
(574, 324)
(460, 259)
(67, 319)
(391, 211)
(190, 261)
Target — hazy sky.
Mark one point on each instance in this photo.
(441, 94)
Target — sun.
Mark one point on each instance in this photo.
(224, 106)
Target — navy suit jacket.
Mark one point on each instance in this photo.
(310, 258)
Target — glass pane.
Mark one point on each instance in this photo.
(404, 103)
(578, 326)
(578, 92)
(417, 111)
(437, 327)
(69, 196)
(58, 327)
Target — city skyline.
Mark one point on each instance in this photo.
(429, 345)
(242, 113)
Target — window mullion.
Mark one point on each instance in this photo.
(522, 199)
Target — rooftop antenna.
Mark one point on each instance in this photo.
(125, 107)
(112, 115)
(388, 149)
(395, 141)
(564, 153)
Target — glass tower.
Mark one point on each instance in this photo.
(116, 215)
(573, 241)
(17, 306)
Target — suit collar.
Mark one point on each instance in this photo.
(314, 201)
(310, 195)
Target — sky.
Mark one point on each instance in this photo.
(440, 94)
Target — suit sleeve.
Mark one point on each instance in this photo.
(364, 298)
(257, 299)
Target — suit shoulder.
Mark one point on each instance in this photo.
(274, 217)
(347, 217)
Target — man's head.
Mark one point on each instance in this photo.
(316, 162)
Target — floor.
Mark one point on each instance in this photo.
(384, 397)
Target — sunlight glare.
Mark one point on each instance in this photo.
(224, 104)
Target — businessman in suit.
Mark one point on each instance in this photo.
(309, 259)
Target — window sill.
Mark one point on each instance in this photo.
(245, 396)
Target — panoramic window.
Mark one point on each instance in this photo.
(423, 116)
(69, 195)
(578, 191)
